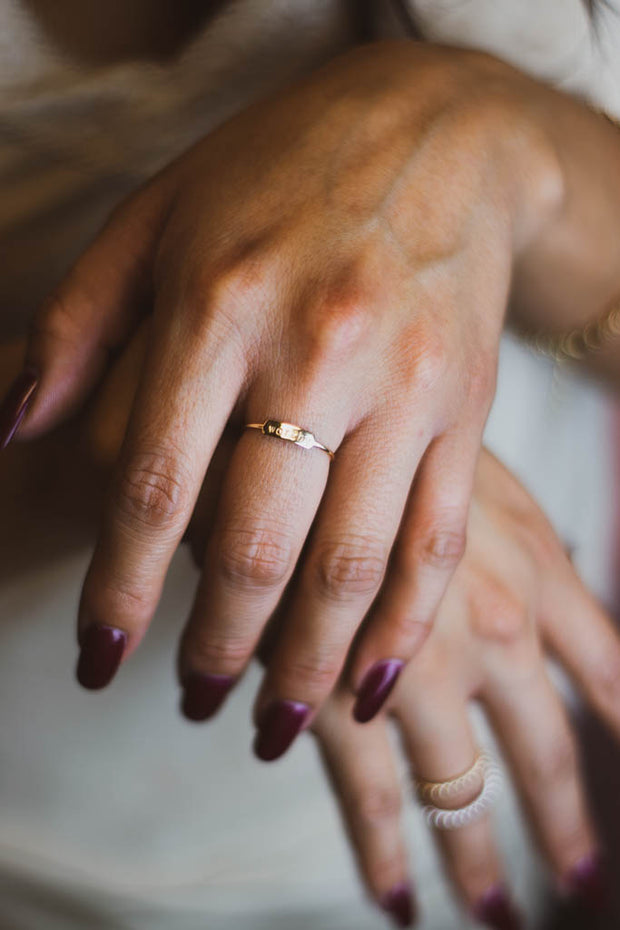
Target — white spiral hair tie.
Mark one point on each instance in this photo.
(435, 791)
(442, 819)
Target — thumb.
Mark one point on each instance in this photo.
(92, 313)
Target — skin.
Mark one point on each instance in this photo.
(347, 271)
(514, 602)
(509, 204)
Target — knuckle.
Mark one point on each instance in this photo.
(218, 653)
(375, 803)
(606, 675)
(254, 558)
(153, 490)
(338, 324)
(497, 614)
(481, 383)
(430, 364)
(441, 546)
(217, 298)
(118, 597)
(556, 765)
(474, 871)
(240, 281)
(349, 569)
(410, 632)
(316, 673)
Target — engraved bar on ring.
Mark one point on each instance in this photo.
(291, 433)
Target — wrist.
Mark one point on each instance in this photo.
(568, 273)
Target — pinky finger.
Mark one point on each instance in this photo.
(360, 764)
(428, 548)
(584, 639)
(541, 746)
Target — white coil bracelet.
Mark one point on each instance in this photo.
(435, 791)
(442, 819)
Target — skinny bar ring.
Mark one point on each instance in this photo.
(290, 433)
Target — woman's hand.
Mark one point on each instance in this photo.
(340, 258)
(514, 598)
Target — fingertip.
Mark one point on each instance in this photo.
(496, 909)
(279, 724)
(587, 882)
(376, 687)
(203, 695)
(101, 653)
(64, 383)
(16, 404)
(400, 905)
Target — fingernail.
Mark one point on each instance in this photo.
(278, 726)
(495, 909)
(203, 695)
(15, 405)
(399, 904)
(587, 882)
(101, 652)
(376, 688)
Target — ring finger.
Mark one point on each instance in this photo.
(269, 498)
(535, 730)
(342, 571)
(441, 746)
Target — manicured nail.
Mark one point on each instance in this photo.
(203, 695)
(586, 882)
(399, 904)
(15, 405)
(376, 688)
(278, 726)
(101, 652)
(495, 909)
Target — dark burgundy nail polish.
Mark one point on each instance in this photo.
(376, 688)
(15, 405)
(399, 904)
(586, 881)
(495, 909)
(278, 726)
(101, 652)
(203, 695)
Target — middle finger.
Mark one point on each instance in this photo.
(441, 745)
(269, 498)
(534, 727)
(341, 574)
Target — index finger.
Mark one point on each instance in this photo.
(188, 389)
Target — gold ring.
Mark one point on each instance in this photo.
(435, 791)
(442, 818)
(291, 433)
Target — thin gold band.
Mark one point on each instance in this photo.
(436, 790)
(291, 433)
